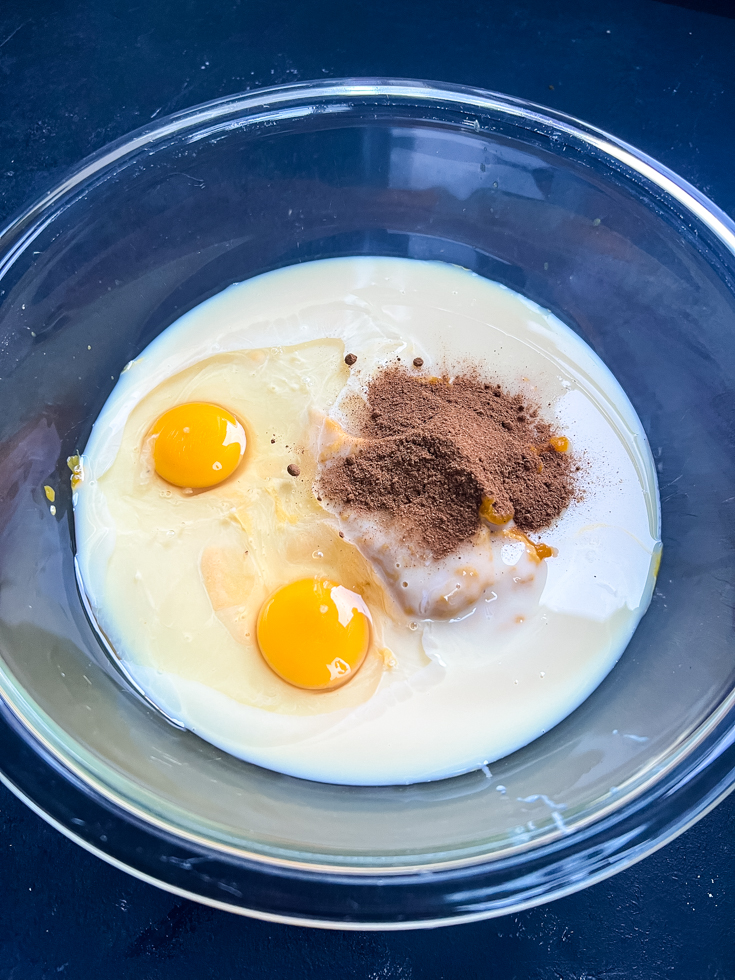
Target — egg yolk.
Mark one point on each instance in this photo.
(314, 634)
(197, 445)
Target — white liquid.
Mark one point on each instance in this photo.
(468, 692)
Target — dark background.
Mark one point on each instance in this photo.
(74, 76)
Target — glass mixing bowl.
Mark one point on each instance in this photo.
(640, 264)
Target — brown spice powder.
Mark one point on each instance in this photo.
(432, 450)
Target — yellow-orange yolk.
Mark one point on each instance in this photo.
(197, 445)
(314, 634)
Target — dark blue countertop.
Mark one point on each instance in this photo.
(75, 75)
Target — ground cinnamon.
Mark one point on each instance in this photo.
(434, 451)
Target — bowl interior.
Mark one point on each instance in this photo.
(186, 210)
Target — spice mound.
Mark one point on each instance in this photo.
(437, 456)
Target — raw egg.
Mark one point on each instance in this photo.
(197, 445)
(314, 634)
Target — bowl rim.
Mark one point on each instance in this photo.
(662, 783)
(270, 97)
(35, 785)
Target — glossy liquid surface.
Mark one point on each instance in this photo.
(534, 642)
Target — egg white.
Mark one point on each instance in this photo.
(167, 582)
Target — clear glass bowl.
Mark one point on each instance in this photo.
(640, 264)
